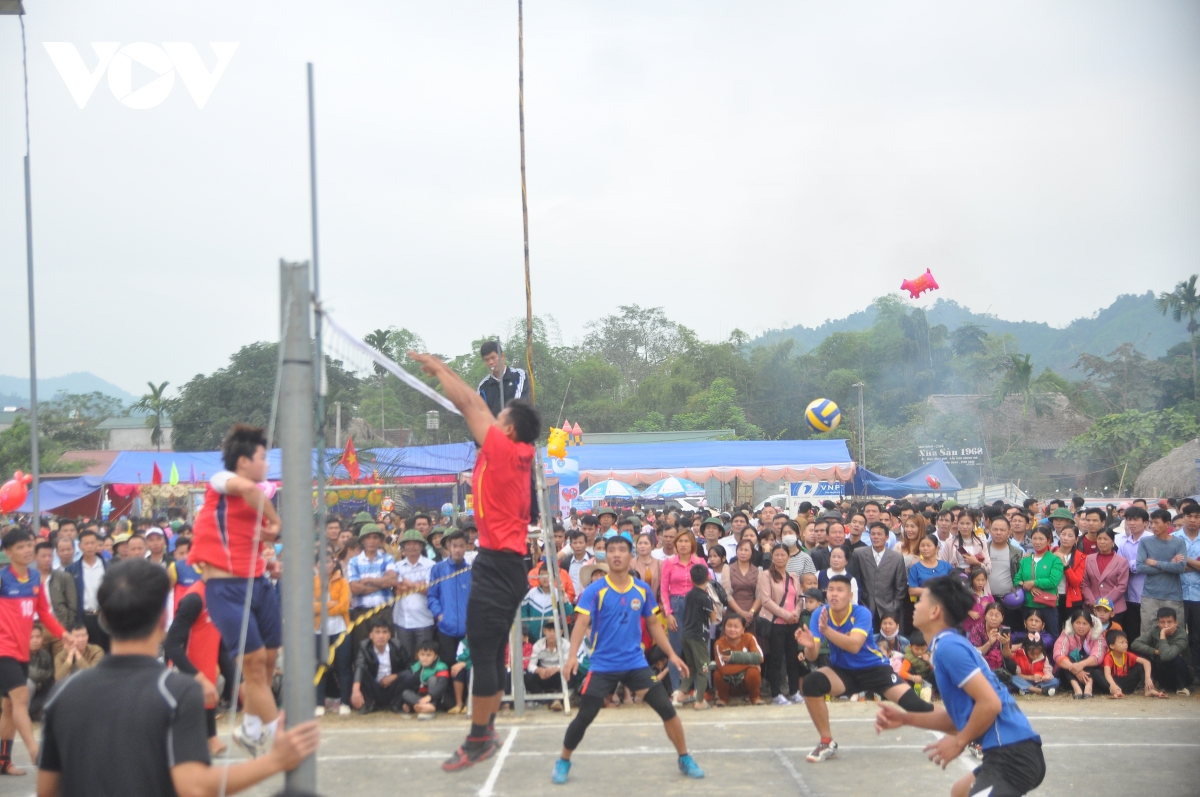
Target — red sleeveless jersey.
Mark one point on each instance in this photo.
(223, 535)
(500, 485)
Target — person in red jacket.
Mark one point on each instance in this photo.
(21, 596)
(193, 645)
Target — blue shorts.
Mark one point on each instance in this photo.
(225, 599)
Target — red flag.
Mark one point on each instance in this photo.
(156, 476)
(349, 460)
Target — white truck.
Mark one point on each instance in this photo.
(799, 492)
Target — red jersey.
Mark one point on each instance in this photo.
(1128, 662)
(19, 599)
(500, 485)
(223, 535)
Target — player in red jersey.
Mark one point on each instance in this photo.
(21, 594)
(193, 645)
(237, 517)
(500, 486)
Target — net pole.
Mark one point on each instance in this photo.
(524, 205)
(296, 424)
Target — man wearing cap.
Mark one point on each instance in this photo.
(156, 541)
(371, 577)
(607, 516)
(411, 615)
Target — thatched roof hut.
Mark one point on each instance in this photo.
(1173, 476)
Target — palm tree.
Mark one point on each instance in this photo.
(158, 407)
(1181, 303)
(1018, 380)
(381, 341)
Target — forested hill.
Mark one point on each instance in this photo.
(1129, 319)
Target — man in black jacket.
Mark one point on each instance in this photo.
(502, 384)
(381, 671)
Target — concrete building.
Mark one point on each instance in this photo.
(133, 434)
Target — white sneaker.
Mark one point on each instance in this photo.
(255, 747)
(1050, 692)
(319, 711)
(781, 700)
(677, 699)
(344, 710)
(1183, 692)
(797, 698)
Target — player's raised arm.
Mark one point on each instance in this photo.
(474, 411)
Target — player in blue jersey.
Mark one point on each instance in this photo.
(613, 610)
(855, 663)
(975, 705)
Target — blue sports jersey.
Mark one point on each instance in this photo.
(615, 637)
(857, 620)
(955, 661)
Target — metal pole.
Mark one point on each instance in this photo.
(34, 452)
(524, 204)
(337, 433)
(322, 546)
(296, 439)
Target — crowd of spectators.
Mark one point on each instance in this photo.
(1071, 599)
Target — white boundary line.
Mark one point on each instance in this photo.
(490, 784)
(425, 728)
(796, 776)
(778, 751)
(962, 758)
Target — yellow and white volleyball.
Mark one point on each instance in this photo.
(822, 415)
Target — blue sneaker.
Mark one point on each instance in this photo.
(689, 767)
(561, 768)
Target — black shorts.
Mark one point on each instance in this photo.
(1010, 770)
(13, 674)
(603, 684)
(499, 582)
(868, 679)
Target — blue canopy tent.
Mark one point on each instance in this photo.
(137, 467)
(723, 460)
(932, 478)
(54, 493)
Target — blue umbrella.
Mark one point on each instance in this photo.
(673, 487)
(609, 488)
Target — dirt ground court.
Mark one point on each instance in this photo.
(1133, 746)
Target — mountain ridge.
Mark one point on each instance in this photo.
(1131, 318)
(15, 389)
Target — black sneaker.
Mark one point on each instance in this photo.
(462, 758)
(822, 752)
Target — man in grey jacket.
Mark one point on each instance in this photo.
(882, 575)
(1163, 559)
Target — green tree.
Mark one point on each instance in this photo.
(241, 392)
(1018, 380)
(16, 445)
(716, 408)
(71, 418)
(159, 407)
(1181, 303)
(1126, 442)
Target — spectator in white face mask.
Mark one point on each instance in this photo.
(799, 562)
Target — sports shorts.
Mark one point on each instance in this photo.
(603, 684)
(225, 600)
(868, 679)
(499, 582)
(1010, 770)
(13, 674)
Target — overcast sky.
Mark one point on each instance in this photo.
(749, 165)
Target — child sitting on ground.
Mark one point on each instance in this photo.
(895, 657)
(699, 610)
(1035, 671)
(917, 668)
(460, 675)
(1119, 664)
(433, 677)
